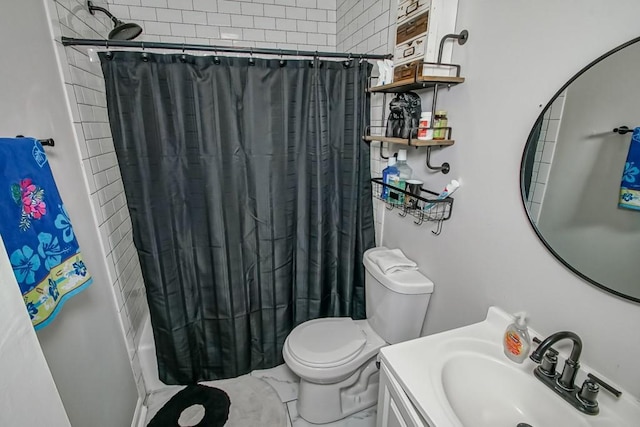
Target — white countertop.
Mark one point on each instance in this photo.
(417, 365)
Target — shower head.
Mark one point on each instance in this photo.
(125, 31)
(121, 30)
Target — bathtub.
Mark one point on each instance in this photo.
(147, 356)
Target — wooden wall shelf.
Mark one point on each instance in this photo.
(412, 142)
(419, 82)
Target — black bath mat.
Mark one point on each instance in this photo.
(215, 402)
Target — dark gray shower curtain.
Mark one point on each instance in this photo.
(248, 189)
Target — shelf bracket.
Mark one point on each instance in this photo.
(382, 156)
(444, 168)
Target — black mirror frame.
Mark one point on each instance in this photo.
(522, 177)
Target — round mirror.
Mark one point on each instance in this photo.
(572, 173)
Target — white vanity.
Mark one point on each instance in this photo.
(461, 378)
(395, 409)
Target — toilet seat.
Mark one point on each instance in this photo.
(326, 343)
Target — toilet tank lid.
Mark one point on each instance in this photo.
(410, 282)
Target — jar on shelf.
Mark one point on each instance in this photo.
(440, 123)
(424, 131)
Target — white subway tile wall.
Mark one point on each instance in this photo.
(544, 155)
(368, 26)
(280, 24)
(85, 89)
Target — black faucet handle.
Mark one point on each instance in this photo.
(589, 392)
(549, 363)
(617, 393)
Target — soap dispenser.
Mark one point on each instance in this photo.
(516, 340)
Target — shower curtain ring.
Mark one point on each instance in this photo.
(145, 55)
(109, 54)
(183, 57)
(251, 60)
(347, 62)
(282, 61)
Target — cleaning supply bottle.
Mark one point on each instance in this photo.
(389, 170)
(425, 132)
(440, 122)
(404, 174)
(516, 340)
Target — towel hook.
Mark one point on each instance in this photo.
(622, 130)
(438, 228)
(44, 142)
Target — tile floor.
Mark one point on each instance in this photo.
(285, 383)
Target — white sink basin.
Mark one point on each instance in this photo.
(461, 378)
(486, 392)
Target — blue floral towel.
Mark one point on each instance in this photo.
(36, 230)
(630, 186)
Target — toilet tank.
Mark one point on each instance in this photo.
(397, 302)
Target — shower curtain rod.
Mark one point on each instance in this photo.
(68, 41)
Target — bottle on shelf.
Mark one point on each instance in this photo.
(439, 123)
(390, 170)
(424, 131)
(400, 180)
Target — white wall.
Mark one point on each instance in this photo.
(580, 217)
(518, 55)
(28, 394)
(283, 24)
(84, 346)
(85, 90)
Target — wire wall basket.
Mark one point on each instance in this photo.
(423, 207)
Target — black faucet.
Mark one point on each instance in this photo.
(584, 399)
(572, 364)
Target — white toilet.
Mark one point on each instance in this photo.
(335, 357)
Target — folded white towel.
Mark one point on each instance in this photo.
(392, 260)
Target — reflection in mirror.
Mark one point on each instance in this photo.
(572, 168)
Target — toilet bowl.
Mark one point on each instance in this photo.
(335, 357)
